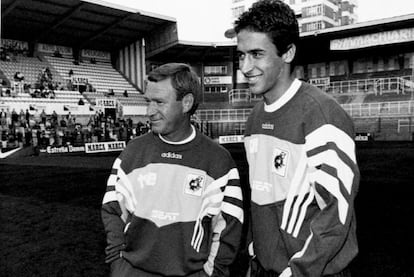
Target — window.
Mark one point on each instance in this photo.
(370, 65)
(312, 11)
(317, 70)
(409, 63)
(322, 69)
(407, 60)
(380, 64)
(359, 66)
(337, 68)
(393, 63)
(237, 11)
(313, 72)
(385, 63)
(299, 72)
(313, 26)
(341, 69)
(215, 70)
(215, 89)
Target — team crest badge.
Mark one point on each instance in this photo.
(194, 184)
(280, 161)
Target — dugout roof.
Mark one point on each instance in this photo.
(83, 24)
(192, 51)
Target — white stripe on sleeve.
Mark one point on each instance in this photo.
(330, 133)
(331, 184)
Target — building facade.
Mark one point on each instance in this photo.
(313, 15)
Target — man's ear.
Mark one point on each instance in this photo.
(289, 55)
(187, 102)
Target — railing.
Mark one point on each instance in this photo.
(216, 129)
(242, 96)
(224, 115)
(360, 110)
(405, 124)
(402, 84)
(219, 122)
(389, 109)
(378, 86)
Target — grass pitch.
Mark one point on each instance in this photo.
(50, 213)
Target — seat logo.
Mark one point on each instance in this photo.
(261, 186)
(169, 216)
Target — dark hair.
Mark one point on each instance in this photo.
(183, 79)
(273, 17)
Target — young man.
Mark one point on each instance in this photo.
(299, 145)
(173, 205)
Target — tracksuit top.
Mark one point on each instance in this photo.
(174, 209)
(304, 177)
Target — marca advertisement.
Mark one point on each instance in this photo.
(231, 139)
(104, 146)
(106, 102)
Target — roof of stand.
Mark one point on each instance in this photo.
(91, 24)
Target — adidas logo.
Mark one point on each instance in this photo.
(171, 155)
(267, 126)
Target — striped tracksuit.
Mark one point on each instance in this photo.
(172, 209)
(303, 177)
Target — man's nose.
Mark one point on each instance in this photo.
(246, 65)
(151, 110)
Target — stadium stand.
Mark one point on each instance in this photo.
(52, 87)
(95, 74)
(30, 67)
(101, 75)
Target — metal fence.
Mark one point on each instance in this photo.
(223, 115)
(218, 122)
(394, 108)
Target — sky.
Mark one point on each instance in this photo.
(207, 20)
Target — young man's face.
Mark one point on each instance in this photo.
(165, 113)
(259, 61)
